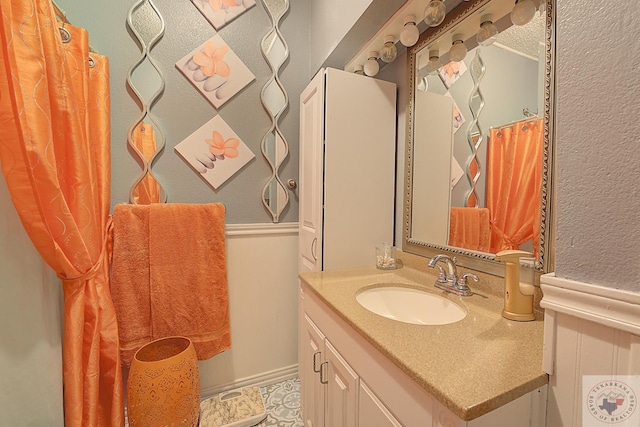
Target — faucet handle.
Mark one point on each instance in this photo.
(463, 278)
(463, 285)
(442, 275)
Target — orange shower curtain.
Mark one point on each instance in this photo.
(55, 156)
(514, 177)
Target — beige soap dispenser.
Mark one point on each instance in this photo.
(518, 299)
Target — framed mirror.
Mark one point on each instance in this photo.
(479, 150)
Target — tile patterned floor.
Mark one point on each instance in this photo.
(282, 401)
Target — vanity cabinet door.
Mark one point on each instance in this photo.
(372, 412)
(312, 389)
(342, 393)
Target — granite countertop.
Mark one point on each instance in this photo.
(472, 366)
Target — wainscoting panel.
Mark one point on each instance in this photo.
(263, 279)
(589, 332)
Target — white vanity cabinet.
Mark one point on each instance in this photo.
(332, 392)
(347, 169)
(346, 382)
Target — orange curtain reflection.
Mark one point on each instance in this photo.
(55, 155)
(514, 171)
(144, 138)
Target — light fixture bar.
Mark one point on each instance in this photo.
(394, 26)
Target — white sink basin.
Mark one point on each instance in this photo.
(410, 305)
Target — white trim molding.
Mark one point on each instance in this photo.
(610, 307)
(260, 380)
(289, 228)
(588, 330)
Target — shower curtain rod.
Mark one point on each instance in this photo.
(62, 15)
(527, 119)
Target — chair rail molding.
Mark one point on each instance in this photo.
(618, 309)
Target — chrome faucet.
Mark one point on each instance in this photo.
(449, 281)
(452, 274)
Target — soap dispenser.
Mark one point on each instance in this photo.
(518, 298)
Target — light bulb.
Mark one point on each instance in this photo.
(357, 69)
(434, 62)
(371, 67)
(488, 32)
(410, 33)
(523, 12)
(389, 51)
(458, 49)
(434, 13)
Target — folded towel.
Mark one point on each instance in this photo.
(169, 276)
(469, 228)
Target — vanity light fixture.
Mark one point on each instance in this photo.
(358, 69)
(371, 67)
(458, 49)
(434, 62)
(523, 12)
(434, 13)
(488, 31)
(389, 51)
(410, 33)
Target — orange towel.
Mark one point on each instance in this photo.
(169, 276)
(469, 228)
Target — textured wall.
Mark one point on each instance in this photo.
(598, 162)
(330, 21)
(31, 328)
(182, 109)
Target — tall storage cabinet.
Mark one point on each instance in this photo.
(347, 169)
(347, 175)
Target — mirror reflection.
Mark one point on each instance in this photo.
(478, 146)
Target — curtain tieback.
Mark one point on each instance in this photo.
(96, 266)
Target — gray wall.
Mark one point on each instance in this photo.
(31, 328)
(598, 162)
(182, 109)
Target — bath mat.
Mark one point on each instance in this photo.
(237, 408)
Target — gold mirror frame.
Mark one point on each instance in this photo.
(481, 261)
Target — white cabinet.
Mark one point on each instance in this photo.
(342, 390)
(347, 169)
(311, 360)
(345, 381)
(371, 411)
(332, 392)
